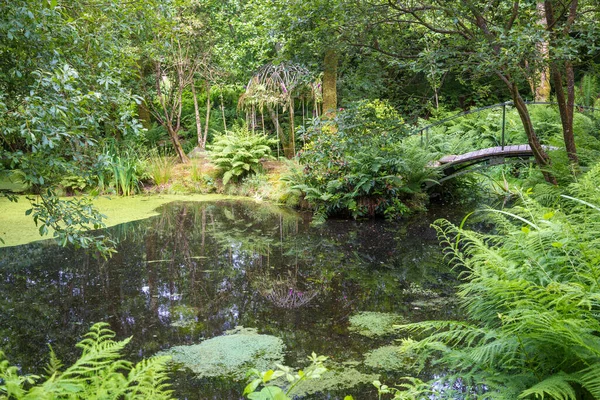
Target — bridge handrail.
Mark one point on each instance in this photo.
(498, 105)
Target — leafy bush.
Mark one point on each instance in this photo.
(237, 153)
(362, 167)
(99, 373)
(531, 295)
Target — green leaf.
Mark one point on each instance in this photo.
(227, 176)
(267, 376)
(251, 387)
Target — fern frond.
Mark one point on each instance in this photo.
(54, 364)
(556, 387)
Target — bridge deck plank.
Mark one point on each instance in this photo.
(516, 150)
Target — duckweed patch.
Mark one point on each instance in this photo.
(338, 377)
(387, 358)
(16, 228)
(374, 324)
(230, 355)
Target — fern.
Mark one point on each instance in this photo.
(97, 374)
(238, 153)
(531, 291)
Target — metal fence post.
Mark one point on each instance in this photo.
(426, 137)
(503, 123)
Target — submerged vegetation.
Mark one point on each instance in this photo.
(373, 324)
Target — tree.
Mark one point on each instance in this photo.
(309, 31)
(561, 19)
(475, 39)
(64, 73)
(173, 73)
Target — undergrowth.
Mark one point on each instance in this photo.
(531, 294)
(99, 373)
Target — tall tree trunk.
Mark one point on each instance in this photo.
(541, 157)
(207, 87)
(144, 114)
(330, 83)
(566, 106)
(566, 103)
(201, 140)
(223, 110)
(174, 135)
(542, 86)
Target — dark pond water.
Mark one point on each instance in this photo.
(220, 265)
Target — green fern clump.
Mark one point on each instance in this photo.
(99, 373)
(237, 154)
(532, 298)
(365, 167)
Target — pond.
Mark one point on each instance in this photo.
(198, 270)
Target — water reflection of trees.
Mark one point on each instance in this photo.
(198, 269)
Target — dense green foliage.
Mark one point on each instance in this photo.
(100, 373)
(531, 295)
(364, 166)
(238, 153)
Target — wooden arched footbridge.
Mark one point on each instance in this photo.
(456, 165)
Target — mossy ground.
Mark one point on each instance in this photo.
(16, 228)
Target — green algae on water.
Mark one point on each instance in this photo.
(338, 377)
(387, 358)
(230, 355)
(400, 357)
(373, 324)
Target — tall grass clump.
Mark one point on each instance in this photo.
(160, 168)
(531, 294)
(122, 171)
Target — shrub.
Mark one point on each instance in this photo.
(237, 153)
(362, 168)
